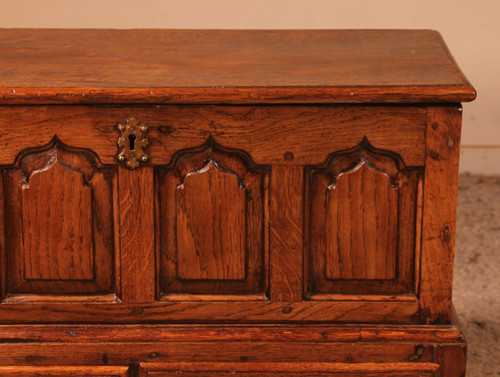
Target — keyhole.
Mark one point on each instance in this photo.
(131, 139)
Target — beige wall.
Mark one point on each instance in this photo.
(470, 27)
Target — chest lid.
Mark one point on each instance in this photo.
(42, 66)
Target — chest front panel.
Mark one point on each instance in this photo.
(237, 213)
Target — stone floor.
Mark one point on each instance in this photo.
(477, 272)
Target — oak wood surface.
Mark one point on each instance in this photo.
(287, 138)
(367, 229)
(229, 332)
(286, 233)
(49, 257)
(454, 360)
(351, 344)
(3, 242)
(439, 213)
(120, 353)
(290, 369)
(60, 228)
(212, 224)
(222, 310)
(361, 224)
(348, 349)
(137, 237)
(294, 215)
(227, 66)
(288, 135)
(63, 371)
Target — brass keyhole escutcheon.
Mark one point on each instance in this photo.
(132, 142)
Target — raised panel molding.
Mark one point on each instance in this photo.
(361, 224)
(212, 224)
(60, 233)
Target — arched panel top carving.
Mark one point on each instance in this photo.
(79, 160)
(350, 160)
(188, 162)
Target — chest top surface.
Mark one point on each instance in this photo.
(42, 66)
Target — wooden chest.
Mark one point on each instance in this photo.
(260, 203)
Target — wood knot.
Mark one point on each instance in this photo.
(288, 156)
(435, 125)
(287, 310)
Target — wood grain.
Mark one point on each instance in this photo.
(361, 209)
(230, 332)
(63, 371)
(222, 311)
(3, 241)
(286, 236)
(137, 234)
(454, 359)
(362, 222)
(227, 66)
(295, 215)
(57, 246)
(290, 369)
(122, 353)
(439, 213)
(258, 349)
(262, 349)
(267, 133)
(60, 233)
(212, 216)
(211, 226)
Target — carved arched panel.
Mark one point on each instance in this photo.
(212, 224)
(60, 233)
(361, 223)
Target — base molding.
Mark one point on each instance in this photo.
(225, 350)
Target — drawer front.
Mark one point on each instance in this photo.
(213, 213)
(63, 371)
(290, 369)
